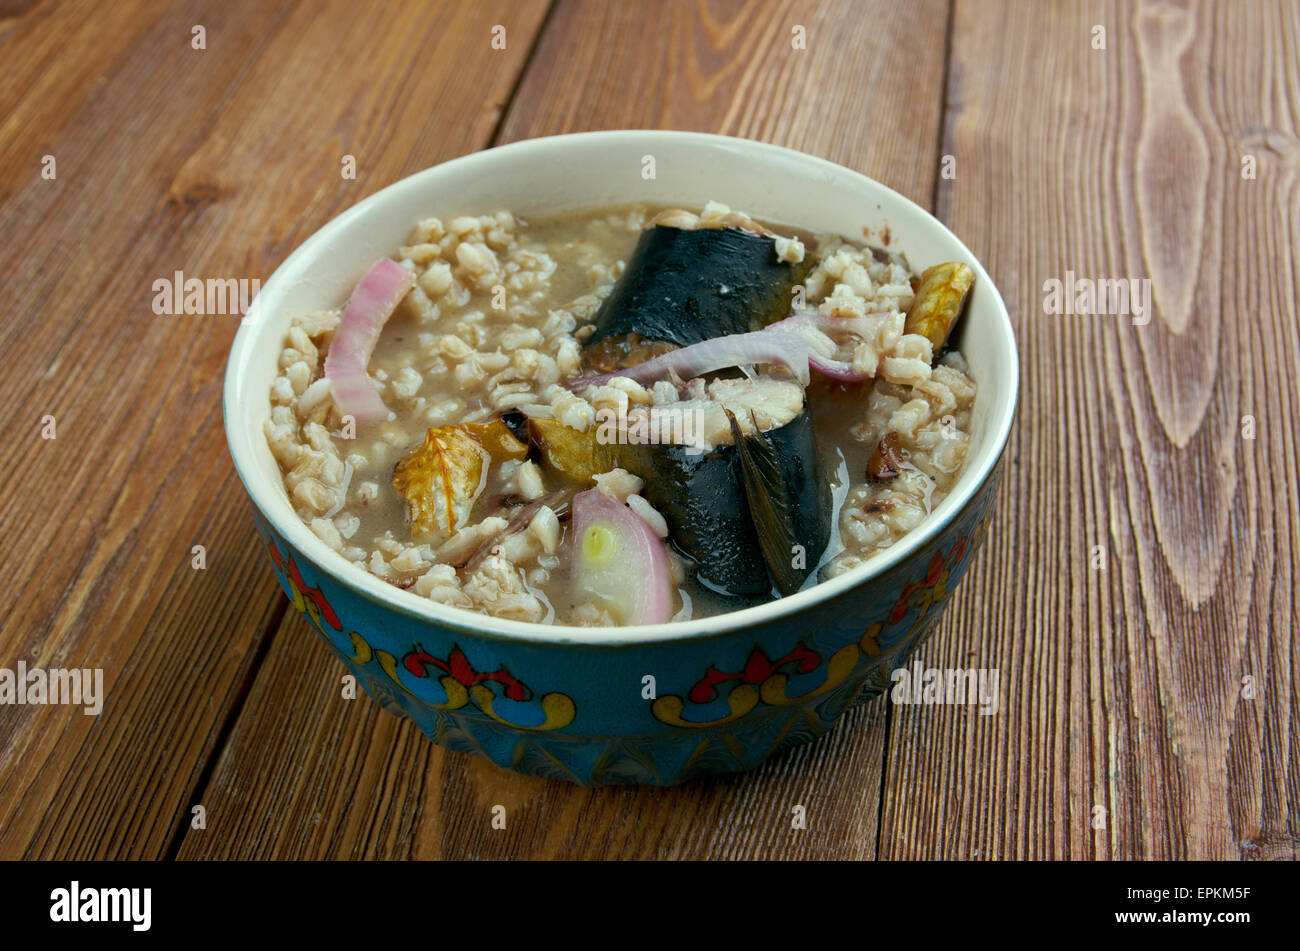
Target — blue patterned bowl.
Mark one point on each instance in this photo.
(655, 704)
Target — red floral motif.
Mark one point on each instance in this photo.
(315, 595)
(757, 669)
(937, 565)
(558, 708)
(458, 667)
(916, 598)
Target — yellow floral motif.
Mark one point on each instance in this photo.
(838, 669)
(771, 690)
(559, 709)
(668, 708)
(765, 681)
(460, 681)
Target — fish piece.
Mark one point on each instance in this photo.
(788, 501)
(686, 285)
(702, 499)
(695, 480)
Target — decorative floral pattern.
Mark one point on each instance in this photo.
(461, 682)
(730, 717)
(757, 669)
(763, 680)
(310, 602)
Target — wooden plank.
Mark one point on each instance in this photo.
(214, 162)
(864, 93)
(1123, 682)
(308, 774)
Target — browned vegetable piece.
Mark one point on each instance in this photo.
(577, 456)
(887, 461)
(440, 480)
(938, 302)
(498, 440)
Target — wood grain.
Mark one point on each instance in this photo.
(866, 92)
(307, 774)
(215, 162)
(1123, 677)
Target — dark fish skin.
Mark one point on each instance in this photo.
(701, 498)
(714, 522)
(518, 424)
(670, 290)
(789, 501)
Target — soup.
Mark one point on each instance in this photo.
(623, 416)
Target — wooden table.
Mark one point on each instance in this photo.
(1142, 563)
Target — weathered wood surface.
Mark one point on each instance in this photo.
(1121, 686)
(1143, 560)
(215, 162)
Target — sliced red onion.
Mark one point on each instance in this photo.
(618, 561)
(371, 304)
(860, 327)
(779, 348)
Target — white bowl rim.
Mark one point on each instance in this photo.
(386, 595)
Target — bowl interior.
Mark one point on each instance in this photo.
(590, 170)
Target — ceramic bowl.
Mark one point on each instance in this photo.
(653, 704)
